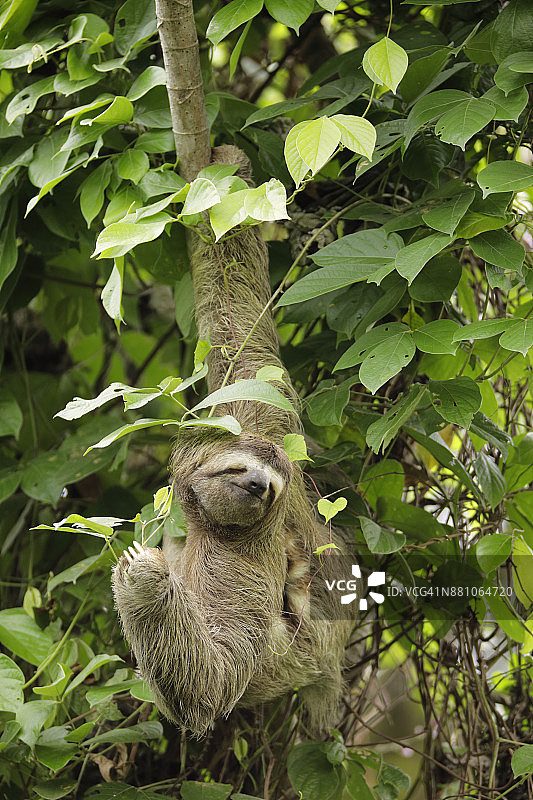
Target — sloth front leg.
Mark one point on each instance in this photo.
(194, 678)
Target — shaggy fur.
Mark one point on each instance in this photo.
(226, 620)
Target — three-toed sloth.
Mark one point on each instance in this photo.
(225, 619)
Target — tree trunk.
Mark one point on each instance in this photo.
(179, 42)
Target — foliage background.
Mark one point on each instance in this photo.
(432, 425)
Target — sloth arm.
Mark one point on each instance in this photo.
(197, 658)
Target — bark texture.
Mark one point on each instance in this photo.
(179, 42)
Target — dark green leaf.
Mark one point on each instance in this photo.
(504, 176)
(411, 259)
(430, 107)
(522, 760)
(490, 479)
(292, 14)
(230, 17)
(518, 337)
(312, 774)
(134, 24)
(380, 540)
(386, 360)
(135, 733)
(456, 400)
(499, 248)
(512, 30)
(437, 336)
(447, 216)
(437, 280)
(461, 122)
(382, 432)
(493, 550)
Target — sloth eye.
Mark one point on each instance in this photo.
(234, 471)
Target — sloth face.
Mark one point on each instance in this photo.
(236, 488)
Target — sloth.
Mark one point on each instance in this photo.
(225, 620)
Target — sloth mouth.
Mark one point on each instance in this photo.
(254, 492)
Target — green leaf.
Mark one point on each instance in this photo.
(11, 683)
(316, 142)
(512, 30)
(430, 107)
(380, 433)
(93, 191)
(133, 165)
(119, 112)
(266, 203)
(357, 133)
(197, 790)
(150, 77)
(10, 414)
(490, 479)
(437, 336)
(519, 337)
(56, 688)
(475, 223)
(446, 216)
(135, 22)
(295, 447)
(493, 550)
(322, 281)
(385, 63)
(380, 540)
(418, 524)
(505, 176)
(230, 17)
(522, 760)
(246, 390)
(508, 106)
(79, 407)
(312, 774)
(112, 292)
(456, 400)
(54, 789)
(368, 249)
(52, 750)
(435, 445)
(411, 259)
(385, 477)
(236, 52)
(328, 509)
(121, 237)
(485, 428)
(140, 424)
(499, 248)
(94, 664)
(295, 163)
(292, 14)
(8, 244)
(228, 213)
(135, 733)
(326, 404)
(32, 716)
(386, 360)
(202, 195)
(21, 634)
(422, 72)
(484, 329)
(357, 351)
(226, 423)
(461, 122)
(25, 101)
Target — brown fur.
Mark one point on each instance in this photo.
(227, 620)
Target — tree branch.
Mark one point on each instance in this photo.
(179, 42)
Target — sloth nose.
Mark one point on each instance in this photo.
(255, 482)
